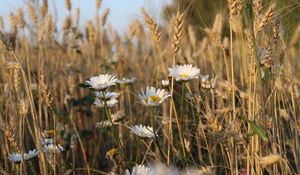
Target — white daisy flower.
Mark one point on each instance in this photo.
(103, 124)
(143, 131)
(153, 97)
(51, 148)
(107, 95)
(139, 170)
(47, 141)
(207, 83)
(126, 81)
(102, 81)
(15, 157)
(120, 115)
(110, 103)
(184, 72)
(165, 83)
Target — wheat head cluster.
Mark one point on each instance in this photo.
(160, 98)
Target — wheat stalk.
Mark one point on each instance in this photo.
(68, 5)
(104, 16)
(8, 131)
(45, 92)
(32, 13)
(265, 19)
(44, 10)
(178, 32)
(154, 27)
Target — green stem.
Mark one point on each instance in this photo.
(181, 104)
(112, 125)
(182, 117)
(155, 136)
(129, 104)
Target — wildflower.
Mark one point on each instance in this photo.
(165, 83)
(184, 72)
(110, 103)
(47, 141)
(139, 170)
(107, 95)
(118, 116)
(52, 148)
(103, 124)
(153, 97)
(48, 133)
(208, 83)
(126, 81)
(209, 170)
(161, 169)
(111, 152)
(187, 145)
(143, 131)
(102, 81)
(15, 157)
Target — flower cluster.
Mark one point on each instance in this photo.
(48, 146)
(17, 157)
(207, 83)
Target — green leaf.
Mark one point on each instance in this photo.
(258, 129)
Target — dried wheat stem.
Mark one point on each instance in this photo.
(265, 19)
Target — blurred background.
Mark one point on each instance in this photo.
(122, 12)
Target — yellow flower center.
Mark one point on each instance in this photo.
(50, 133)
(184, 76)
(154, 98)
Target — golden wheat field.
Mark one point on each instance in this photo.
(164, 97)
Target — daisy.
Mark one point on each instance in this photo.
(51, 148)
(118, 116)
(208, 83)
(47, 141)
(126, 81)
(103, 124)
(102, 81)
(143, 131)
(139, 170)
(107, 95)
(101, 104)
(184, 72)
(48, 133)
(15, 157)
(165, 83)
(153, 97)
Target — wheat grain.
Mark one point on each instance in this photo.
(154, 27)
(32, 13)
(68, 5)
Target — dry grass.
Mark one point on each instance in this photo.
(246, 122)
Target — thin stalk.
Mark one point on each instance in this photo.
(182, 104)
(232, 68)
(113, 127)
(155, 136)
(182, 117)
(129, 104)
